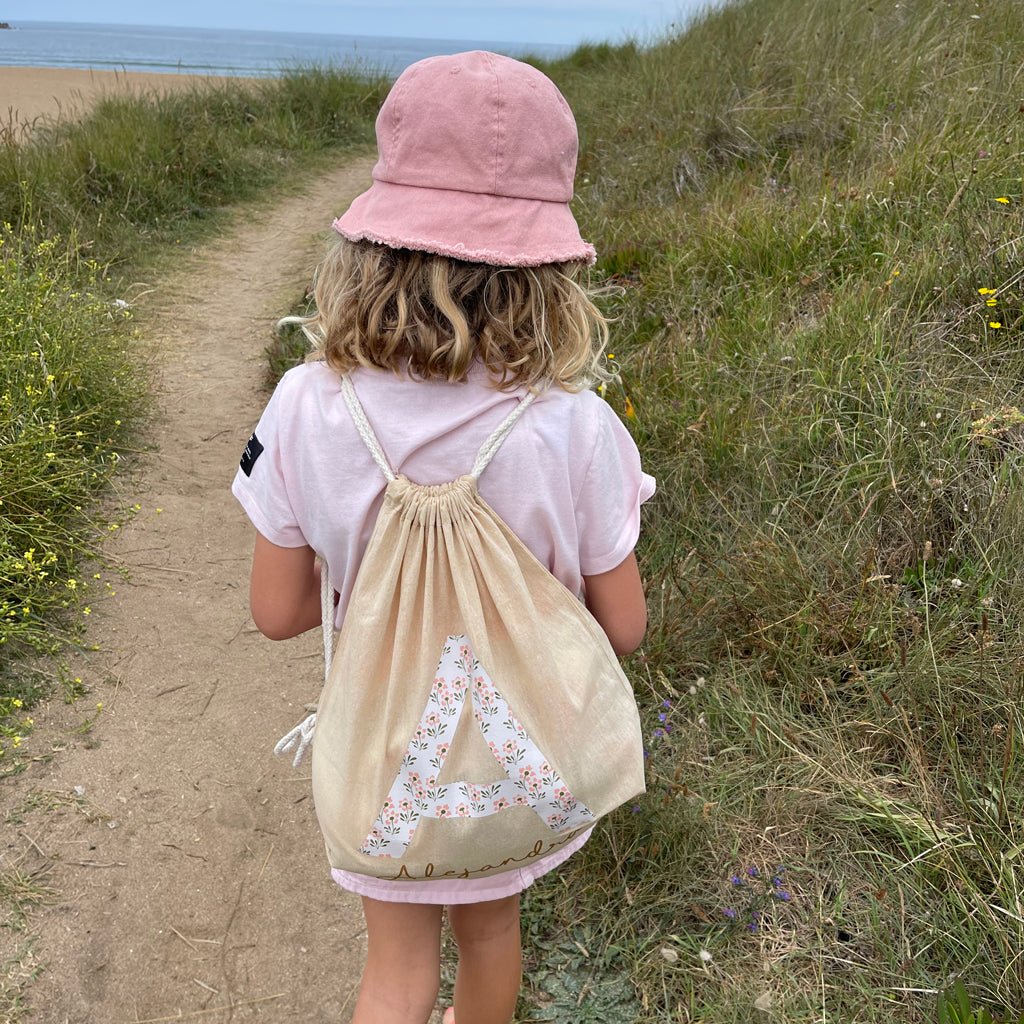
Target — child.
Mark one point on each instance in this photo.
(452, 293)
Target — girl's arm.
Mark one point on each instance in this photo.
(284, 589)
(616, 600)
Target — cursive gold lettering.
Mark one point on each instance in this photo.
(538, 850)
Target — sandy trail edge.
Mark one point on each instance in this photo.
(191, 875)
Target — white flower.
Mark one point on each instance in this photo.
(956, 583)
(705, 956)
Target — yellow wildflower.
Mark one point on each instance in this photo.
(991, 302)
(1002, 199)
(995, 325)
(986, 291)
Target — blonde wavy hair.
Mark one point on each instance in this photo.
(433, 317)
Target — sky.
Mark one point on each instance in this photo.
(556, 21)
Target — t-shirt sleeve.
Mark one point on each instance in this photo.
(610, 495)
(260, 484)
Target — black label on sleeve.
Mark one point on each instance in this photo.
(253, 450)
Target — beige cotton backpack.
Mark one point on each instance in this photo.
(474, 714)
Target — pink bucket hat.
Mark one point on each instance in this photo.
(476, 157)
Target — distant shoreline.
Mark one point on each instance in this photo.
(30, 93)
(158, 50)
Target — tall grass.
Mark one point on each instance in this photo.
(142, 169)
(814, 214)
(83, 204)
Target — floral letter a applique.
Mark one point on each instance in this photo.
(415, 793)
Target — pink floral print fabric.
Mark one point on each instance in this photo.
(415, 794)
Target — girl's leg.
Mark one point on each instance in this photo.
(403, 963)
(490, 960)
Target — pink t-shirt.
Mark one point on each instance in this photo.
(567, 479)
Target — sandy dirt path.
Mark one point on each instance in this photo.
(188, 870)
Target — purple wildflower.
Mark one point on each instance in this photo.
(736, 880)
(666, 704)
(753, 872)
(662, 717)
(730, 913)
(636, 808)
(784, 896)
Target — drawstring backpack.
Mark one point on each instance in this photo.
(474, 715)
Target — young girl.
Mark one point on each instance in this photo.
(452, 292)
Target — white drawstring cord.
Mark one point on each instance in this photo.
(495, 441)
(301, 736)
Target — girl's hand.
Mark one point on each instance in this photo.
(284, 589)
(616, 599)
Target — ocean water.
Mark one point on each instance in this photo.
(223, 51)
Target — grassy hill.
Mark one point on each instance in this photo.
(813, 215)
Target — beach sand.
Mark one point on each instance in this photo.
(30, 93)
